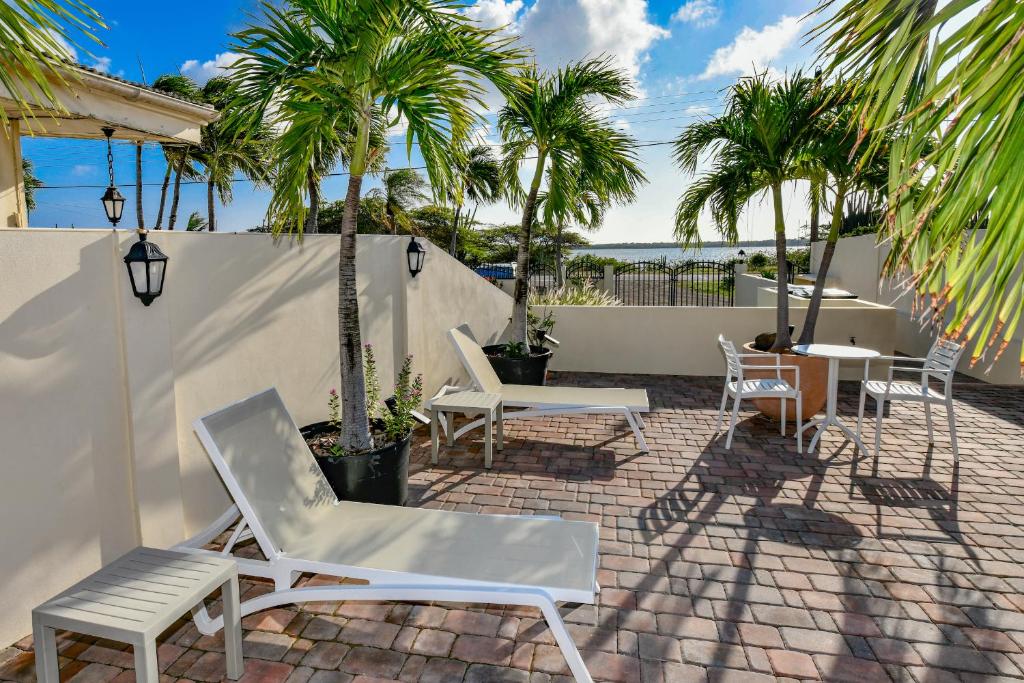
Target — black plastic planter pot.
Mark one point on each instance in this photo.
(381, 476)
(531, 370)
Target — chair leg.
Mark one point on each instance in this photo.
(566, 644)
(952, 429)
(232, 629)
(721, 409)
(782, 419)
(878, 427)
(44, 642)
(641, 442)
(860, 411)
(732, 420)
(799, 423)
(928, 421)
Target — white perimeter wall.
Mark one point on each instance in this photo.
(98, 392)
(857, 266)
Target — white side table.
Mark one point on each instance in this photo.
(473, 403)
(133, 600)
(834, 353)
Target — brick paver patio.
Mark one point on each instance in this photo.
(715, 565)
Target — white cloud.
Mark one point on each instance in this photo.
(102, 64)
(563, 31)
(218, 66)
(67, 49)
(80, 170)
(700, 13)
(753, 50)
(495, 13)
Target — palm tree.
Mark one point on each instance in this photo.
(553, 117)
(31, 182)
(759, 144)
(330, 66)
(182, 86)
(478, 177)
(33, 39)
(832, 157)
(585, 209)
(196, 222)
(224, 151)
(402, 189)
(957, 99)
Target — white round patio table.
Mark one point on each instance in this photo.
(834, 353)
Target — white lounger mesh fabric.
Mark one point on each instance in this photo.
(277, 474)
(520, 395)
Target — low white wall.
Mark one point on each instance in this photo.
(99, 392)
(857, 265)
(681, 340)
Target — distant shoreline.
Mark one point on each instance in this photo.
(676, 245)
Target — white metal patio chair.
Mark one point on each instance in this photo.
(544, 400)
(740, 388)
(940, 363)
(406, 554)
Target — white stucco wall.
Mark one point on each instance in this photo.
(98, 392)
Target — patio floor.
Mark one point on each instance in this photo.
(715, 565)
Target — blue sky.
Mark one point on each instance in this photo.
(681, 53)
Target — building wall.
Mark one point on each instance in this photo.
(680, 340)
(99, 392)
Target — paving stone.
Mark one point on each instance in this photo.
(792, 664)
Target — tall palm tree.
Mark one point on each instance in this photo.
(957, 99)
(835, 168)
(33, 39)
(585, 208)
(225, 151)
(759, 144)
(182, 86)
(554, 118)
(327, 66)
(402, 189)
(478, 178)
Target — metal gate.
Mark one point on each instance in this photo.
(691, 283)
(585, 271)
(542, 278)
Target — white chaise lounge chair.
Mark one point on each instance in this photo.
(406, 554)
(542, 401)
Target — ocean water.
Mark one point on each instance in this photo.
(670, 253)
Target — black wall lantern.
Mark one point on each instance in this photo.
(417, 254)
(146, 267)
(113, 200)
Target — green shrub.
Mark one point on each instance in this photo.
(574, 294)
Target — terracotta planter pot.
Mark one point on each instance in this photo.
(813, 383)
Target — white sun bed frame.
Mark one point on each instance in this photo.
(542, 401)
(285, 451)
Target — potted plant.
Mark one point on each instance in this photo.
(511, 362)
(381, 475)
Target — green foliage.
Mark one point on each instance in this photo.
(401, 189)
(515, 349)
(574, 294)
(31, 182)
(34, 38)
(591, 260)
(334, 409)
(956, 98)
(196, 222)
(536, 324)
(759, 260)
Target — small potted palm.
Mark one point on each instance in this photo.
(382, 475)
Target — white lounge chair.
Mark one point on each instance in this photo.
(544, 400)
(406, 554)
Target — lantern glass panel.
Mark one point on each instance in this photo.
(156, 276)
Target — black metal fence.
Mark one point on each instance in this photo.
(690, 283)
(640, 283)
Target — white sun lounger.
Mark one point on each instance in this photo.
(544, 400)
(406, 554)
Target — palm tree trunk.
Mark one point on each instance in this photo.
(454, 243)
(176, 193)
(211, 207)
(815, 210)
(782, 338)
(355, 420)
(520, 307)
(559, 281)
(312, 224)
(140, 217)
(814, 307)
(163, 195)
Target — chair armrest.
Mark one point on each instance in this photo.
(765, 367)
(756, 355)
(902, 359)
